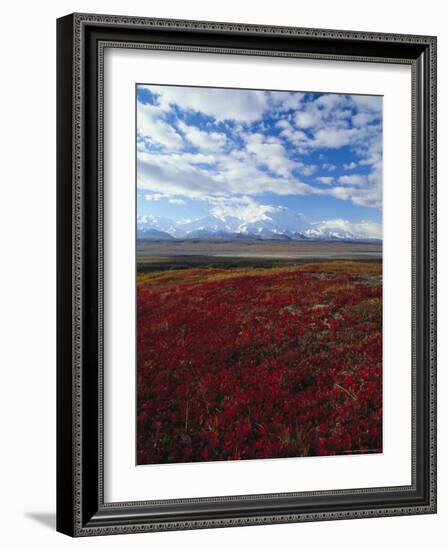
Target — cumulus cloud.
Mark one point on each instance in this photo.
(235, 173)
(368, 102)
(241, 105)
(205, 141)
(173, 175)
(287, 100)
(306, 119)
(270, 153)
(327, 180)
(294, 136)
(308, 169)
(154, 129)
(336, 121)
(334, 138)
(333, 121)
(362, 197)
(363, 118)
(161, 196)
(353, 179)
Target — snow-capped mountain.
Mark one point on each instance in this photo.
(154, 234)
(339, 229)
(148, 223)
(281, 224)
(327, 234)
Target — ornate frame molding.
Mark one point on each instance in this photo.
(75, 502)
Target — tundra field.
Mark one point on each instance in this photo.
(251, 358)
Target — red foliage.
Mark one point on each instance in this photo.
(259, 364)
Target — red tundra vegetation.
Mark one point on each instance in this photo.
(259, 363)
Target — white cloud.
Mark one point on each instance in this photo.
(368, 102)
(232, 160)
(240, 173)
(327, 111)
(219, 103)
(352, 179)
(197, 158)
(172, 174)
(361, 196)
(151, 126)
(206, 141)
(327, 180)
(286, 101)
(308, 169)
(297, 137)
(176, 201)
(362, 119)
(334, 138)
(161, 196)
(155, 196)
(369, 109)
(146, 218)
(306, 119)
(283, 123)
(329, 102)
(333, 121)
(235, 173)
(269, 152)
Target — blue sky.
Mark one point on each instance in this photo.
(248, 153)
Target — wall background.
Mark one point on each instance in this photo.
(27, 274)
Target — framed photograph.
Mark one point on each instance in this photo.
(246, 274)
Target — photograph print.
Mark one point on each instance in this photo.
(259, 274)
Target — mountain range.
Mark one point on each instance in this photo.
(282, 224)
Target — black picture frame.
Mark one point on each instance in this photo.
(81, 510)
